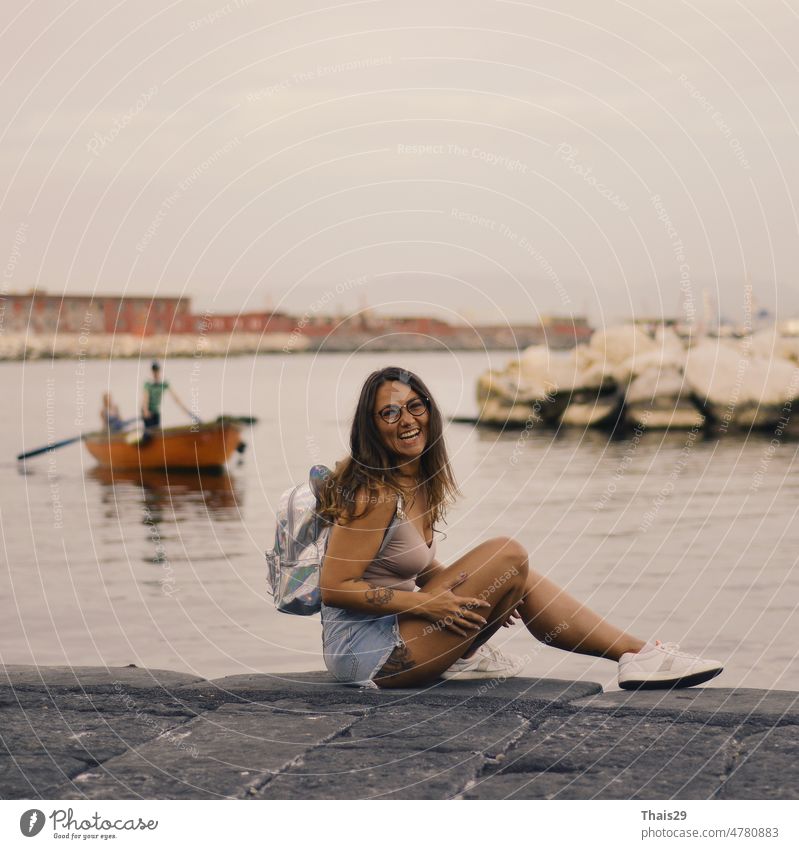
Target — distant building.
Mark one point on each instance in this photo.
(244, 322)
(37, 312)
(420, 325)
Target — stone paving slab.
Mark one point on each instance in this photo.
(406, 752)
(51, 743)
(422, 728)
(358, 773)
(584, 757)
(317, 686)
(105, 701)
(35, 776)
(701, 703)
(300, 707)
(89, 737)
(766, 766)
(89, 677)
(221, 754)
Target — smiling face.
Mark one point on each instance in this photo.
(407, 437)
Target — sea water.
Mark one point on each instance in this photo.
(675, 536)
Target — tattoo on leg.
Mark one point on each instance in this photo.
(379, 596)
(399, 660)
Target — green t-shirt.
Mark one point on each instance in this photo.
(155, 392)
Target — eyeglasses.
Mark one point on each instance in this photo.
(392, 413)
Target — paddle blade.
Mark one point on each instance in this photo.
(243, 420)
(55, 445)
(45, 448)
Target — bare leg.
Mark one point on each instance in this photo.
(558, 619)
(497, 573)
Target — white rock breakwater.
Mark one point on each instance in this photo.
(625, 378)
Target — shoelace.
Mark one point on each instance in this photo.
(673, 649)
(489, 651)
(493, 654)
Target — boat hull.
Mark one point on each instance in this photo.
(203, 446)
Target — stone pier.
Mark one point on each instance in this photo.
(130, 733)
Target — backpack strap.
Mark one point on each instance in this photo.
(399, 514)
(317, 477)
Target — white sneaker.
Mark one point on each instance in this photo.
(486, 662)
(662, 666)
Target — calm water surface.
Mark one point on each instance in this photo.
(676, 537)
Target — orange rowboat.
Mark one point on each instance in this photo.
(201, 446)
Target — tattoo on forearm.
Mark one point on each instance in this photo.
(399, 660)
(379, 596)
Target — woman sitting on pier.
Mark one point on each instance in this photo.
(402, 619)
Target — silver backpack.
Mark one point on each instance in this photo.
(301, 535)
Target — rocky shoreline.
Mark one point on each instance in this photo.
(17, 347)
(129, 733)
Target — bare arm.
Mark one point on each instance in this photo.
(180, 403)
(350, 550)
(145, 404)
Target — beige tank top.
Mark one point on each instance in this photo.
(404, 557)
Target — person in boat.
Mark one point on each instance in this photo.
(404, 619)
(153, 395)
(109, 414)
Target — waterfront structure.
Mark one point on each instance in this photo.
(130, 319)
(244, 322)
(126, 732)
(37, 312)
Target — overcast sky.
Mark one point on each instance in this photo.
(482, 160)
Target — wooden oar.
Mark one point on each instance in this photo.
(44, 449)
(245, 420)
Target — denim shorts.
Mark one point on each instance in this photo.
(356, 645)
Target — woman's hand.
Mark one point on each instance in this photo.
(514, 614)
(456, 613)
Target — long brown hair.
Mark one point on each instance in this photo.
(373, 467)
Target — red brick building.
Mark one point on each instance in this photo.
(37, 312)
(245, 322)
